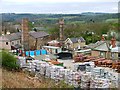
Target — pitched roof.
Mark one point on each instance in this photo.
(74, 40)
(38, 34)
(16, 36)
(82, 39)
(115, 49)
(94, 45)
(16, 46)
(12, 37)
(100, 45)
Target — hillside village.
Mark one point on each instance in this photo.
(94, 65)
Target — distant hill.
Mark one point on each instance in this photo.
(53, 18)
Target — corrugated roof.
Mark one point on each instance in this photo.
(38, 34)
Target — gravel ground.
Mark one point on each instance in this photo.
(67, 62)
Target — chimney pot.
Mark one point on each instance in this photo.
(113, 42)
(103, 38)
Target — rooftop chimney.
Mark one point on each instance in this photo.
(113, 42)
(103, 38)
(61, 23)
(25, 34)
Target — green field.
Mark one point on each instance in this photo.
(112, 20)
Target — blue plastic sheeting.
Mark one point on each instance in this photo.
(38, 52)
(27, 53)
(43, 52)
(31, 53)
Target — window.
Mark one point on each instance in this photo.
(20, 41)
(17, 42)
(6, 43)
(12, 43)
(112, 55)
(101, 54)
(119, 55)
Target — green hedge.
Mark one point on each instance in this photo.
(9, 61)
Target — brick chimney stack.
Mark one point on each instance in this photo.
(25, 34)
(113, 42)
(61, 23)
(103, 38)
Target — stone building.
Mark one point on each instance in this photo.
(10, 41)
(26, 39)
(38, 39)
(75, 43)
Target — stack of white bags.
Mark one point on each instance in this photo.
(85, 80)
(91, 78)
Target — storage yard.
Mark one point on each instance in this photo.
(79, 74)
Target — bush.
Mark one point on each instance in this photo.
(9, 61)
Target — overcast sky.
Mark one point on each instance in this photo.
(58, 6)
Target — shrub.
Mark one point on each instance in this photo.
(9, 61)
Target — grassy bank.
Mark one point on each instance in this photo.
(11, 79)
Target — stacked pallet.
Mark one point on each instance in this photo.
(55, 72)
(99, 83)
(88, 77)
(85, 80)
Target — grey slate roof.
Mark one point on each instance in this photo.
(13, 36)
(17, 36)
(94, 45)
(74, 40)
(38, 34)
(100, 43)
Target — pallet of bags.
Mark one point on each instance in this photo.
(31, 66)
(22, 62)
(48, 70)
(79, 67)
(38, 64)
(105, 83)
(43, 69)
(114, 77)
(89, 66)
(76, 79)
(85, 80)
(70, 78)
(98, 71)
(66, 77)
(55, 72)
(100, 83)
(61, 74)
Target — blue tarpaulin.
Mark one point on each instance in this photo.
(37, 52)
(43, 52)
(31, 53)
(27, 53)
